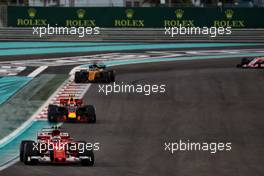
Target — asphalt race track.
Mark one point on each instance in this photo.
(205, 101)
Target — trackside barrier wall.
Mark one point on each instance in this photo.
(149, 17)
(3, 16)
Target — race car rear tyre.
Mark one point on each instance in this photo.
(80, 76)
(112, 76)
(87, 112)
(92, 119)
(30, 151)
(21, 149)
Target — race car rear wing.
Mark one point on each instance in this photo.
(99, 66)
(66, 101)
(48, 135)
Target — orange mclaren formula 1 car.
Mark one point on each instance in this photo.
(71, 110)
(55, 146)
(96, 73)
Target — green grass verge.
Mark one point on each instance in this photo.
(50, 87)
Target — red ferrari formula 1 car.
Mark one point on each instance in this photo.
(55, 146)
(71, 110)
(252, 63)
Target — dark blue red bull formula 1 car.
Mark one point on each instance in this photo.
(71, 110)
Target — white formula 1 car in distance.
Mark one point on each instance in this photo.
(257, 62)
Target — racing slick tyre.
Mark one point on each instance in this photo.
(53, 113)
(106, 77)
(30, 151)
(51, 155)
(91, 113)
(244, 61)
(112, 75)
(90, 110)
(88, 154)
(80, 77)
(87, 112)
(21, 149)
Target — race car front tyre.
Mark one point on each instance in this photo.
(91, 113)
(51, 155)
(29, 152)
(21, 149)
(87, 162)
(88, 154)
(53, 113)
(246, 61)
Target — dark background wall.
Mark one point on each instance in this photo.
(135, 17)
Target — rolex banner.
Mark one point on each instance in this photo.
(135, 17)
